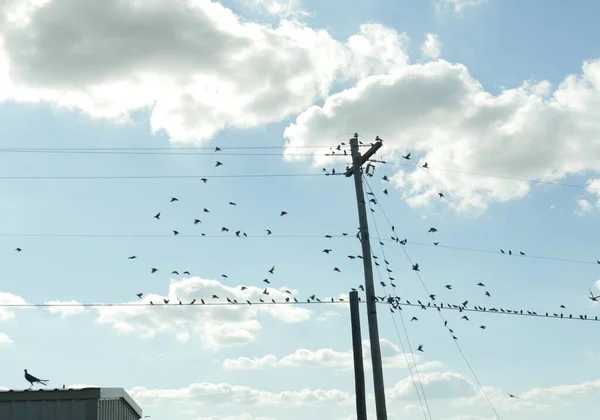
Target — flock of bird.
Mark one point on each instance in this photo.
(394, 302)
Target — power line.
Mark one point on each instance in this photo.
(165, 153)
(86, 149)
(488, 251)
(533, 181)
(232, 236)
(425, 408)
(454, 340)
(208, 177)
(482, 174)
(336, 301)
(180, 236)
(189, 151)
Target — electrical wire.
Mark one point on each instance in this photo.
(426, 409)
(208, 177)
(324, 302)
(173, 153)
(165, 149)
(177, 151)
(481, 174)
(488, 251)
(441, 316)
(231, 236)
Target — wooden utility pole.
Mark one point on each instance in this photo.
(356, 170)
(359, 367)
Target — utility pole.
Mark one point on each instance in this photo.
(359, 367)
(356, 170)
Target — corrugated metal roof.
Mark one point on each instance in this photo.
(70, 394)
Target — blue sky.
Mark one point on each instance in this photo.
(127, 81)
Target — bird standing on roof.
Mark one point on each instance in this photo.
(33, 380)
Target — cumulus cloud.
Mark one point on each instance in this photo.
(500, 400)
(564, 391)
(283, 8)
(219, 394)
(392, 357)
(244, 416)
(195, 65)
(584, 206)
(7, 313)
(327, 315)
(70, 308)
(217, 326)
(444, 117)
(457, 5)
(437, 385)
(593, 187)
(5, 340)
(432, 47)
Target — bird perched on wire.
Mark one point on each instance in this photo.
(33, 380)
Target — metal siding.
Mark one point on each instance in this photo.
(49, 410)
(115, 409)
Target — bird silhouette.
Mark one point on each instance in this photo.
(33, 380)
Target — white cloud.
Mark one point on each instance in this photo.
(327, 315)
(597, 284)
(593, 187)
(5, 340)
(217, 326)
(244, 416)
(180, 60)
(584, 206)
(564, 391)
(392, 357)
(283, 8)
(457, 5)
(500, 400)
(7, 312)
(74, 308)
(218, 394)
(437, 111)
(469, 417)
(432, 47)
(437, 385)
(245, 363)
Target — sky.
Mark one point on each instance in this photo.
(111, 109)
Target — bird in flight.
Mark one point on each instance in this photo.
(173, 199)
(33, 380)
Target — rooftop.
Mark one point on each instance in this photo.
(69, 394)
